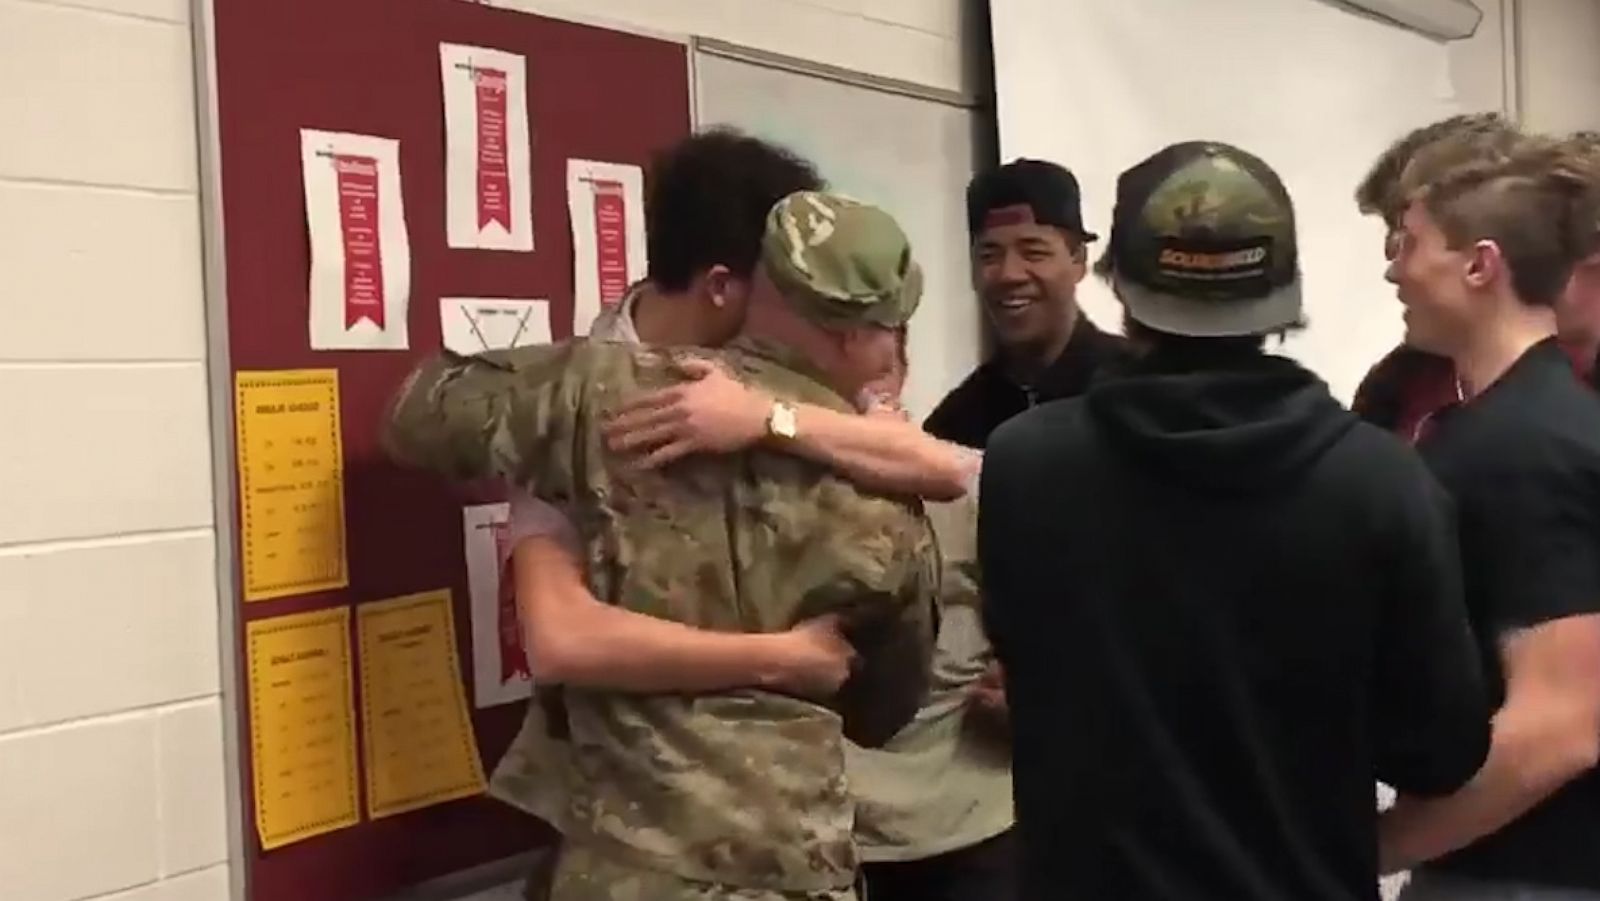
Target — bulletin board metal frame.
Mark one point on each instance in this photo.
(244, 852)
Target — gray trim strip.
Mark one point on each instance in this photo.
(220, 380)
(771, 60)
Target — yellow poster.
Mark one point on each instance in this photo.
(291, 482)
(419, 746)
(302, 726)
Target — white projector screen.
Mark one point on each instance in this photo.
(1315, 90)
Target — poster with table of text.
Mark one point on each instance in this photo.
(291, 482)
(420, 749)
(302, 726)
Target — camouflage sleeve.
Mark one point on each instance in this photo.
(510, 414)
(895, 643)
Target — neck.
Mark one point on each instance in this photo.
(774, 323)
(1492, 351)
(1023, 363)
(663, 317)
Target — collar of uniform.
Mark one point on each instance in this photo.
(783, 356)
(615, 323)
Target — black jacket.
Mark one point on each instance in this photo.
(1224, 607)
(989, 397)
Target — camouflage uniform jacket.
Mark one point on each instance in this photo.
(533, 774)
(741, 788)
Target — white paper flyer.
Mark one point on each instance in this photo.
(472, 325)
(500, 672)
(360, 254)
(606, 205)
(488, 190)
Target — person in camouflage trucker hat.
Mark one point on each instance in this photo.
(727, 794)
(1236, 533)
(1203, 244)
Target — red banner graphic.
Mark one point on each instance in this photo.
(513, 656)
(611, 239)
(494, 170)
(358, 226)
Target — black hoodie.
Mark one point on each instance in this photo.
(1224, 607)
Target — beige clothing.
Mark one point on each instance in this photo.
(944, 782)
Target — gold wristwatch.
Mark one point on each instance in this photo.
(781, 421)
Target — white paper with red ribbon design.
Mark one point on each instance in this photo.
(488, 191)
(606, 202)
(500, 671)
(360, 281)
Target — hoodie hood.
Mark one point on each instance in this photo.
(1246, 426)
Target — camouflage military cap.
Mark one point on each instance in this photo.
(1203, 243)
(841, 263)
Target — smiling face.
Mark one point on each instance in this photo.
(1027, 278)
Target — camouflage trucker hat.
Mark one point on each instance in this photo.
(1203, 243)
(842, 263)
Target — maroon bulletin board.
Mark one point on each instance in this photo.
(372, 67)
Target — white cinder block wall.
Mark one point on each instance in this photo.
(112, 778)
(111, 756)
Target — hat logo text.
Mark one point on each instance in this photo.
(1188, 259)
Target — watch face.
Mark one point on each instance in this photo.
(782, 421)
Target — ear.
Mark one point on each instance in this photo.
(720, 283)
(1485, 263)
(1080, 259)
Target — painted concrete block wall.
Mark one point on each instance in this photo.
(111, 758)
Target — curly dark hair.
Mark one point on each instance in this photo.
(707, 199)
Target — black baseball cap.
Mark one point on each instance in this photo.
(1203, 243)
(1026, 190)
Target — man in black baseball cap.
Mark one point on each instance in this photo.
(1224, 605)
(1029, 252)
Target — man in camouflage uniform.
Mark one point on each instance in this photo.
(737, 794)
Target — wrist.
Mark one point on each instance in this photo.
(782, 421)
(774, 664)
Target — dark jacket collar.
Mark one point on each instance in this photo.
(988, 397)
(1069, 375)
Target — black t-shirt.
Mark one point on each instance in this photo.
(1522, 461)
(988, 397)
